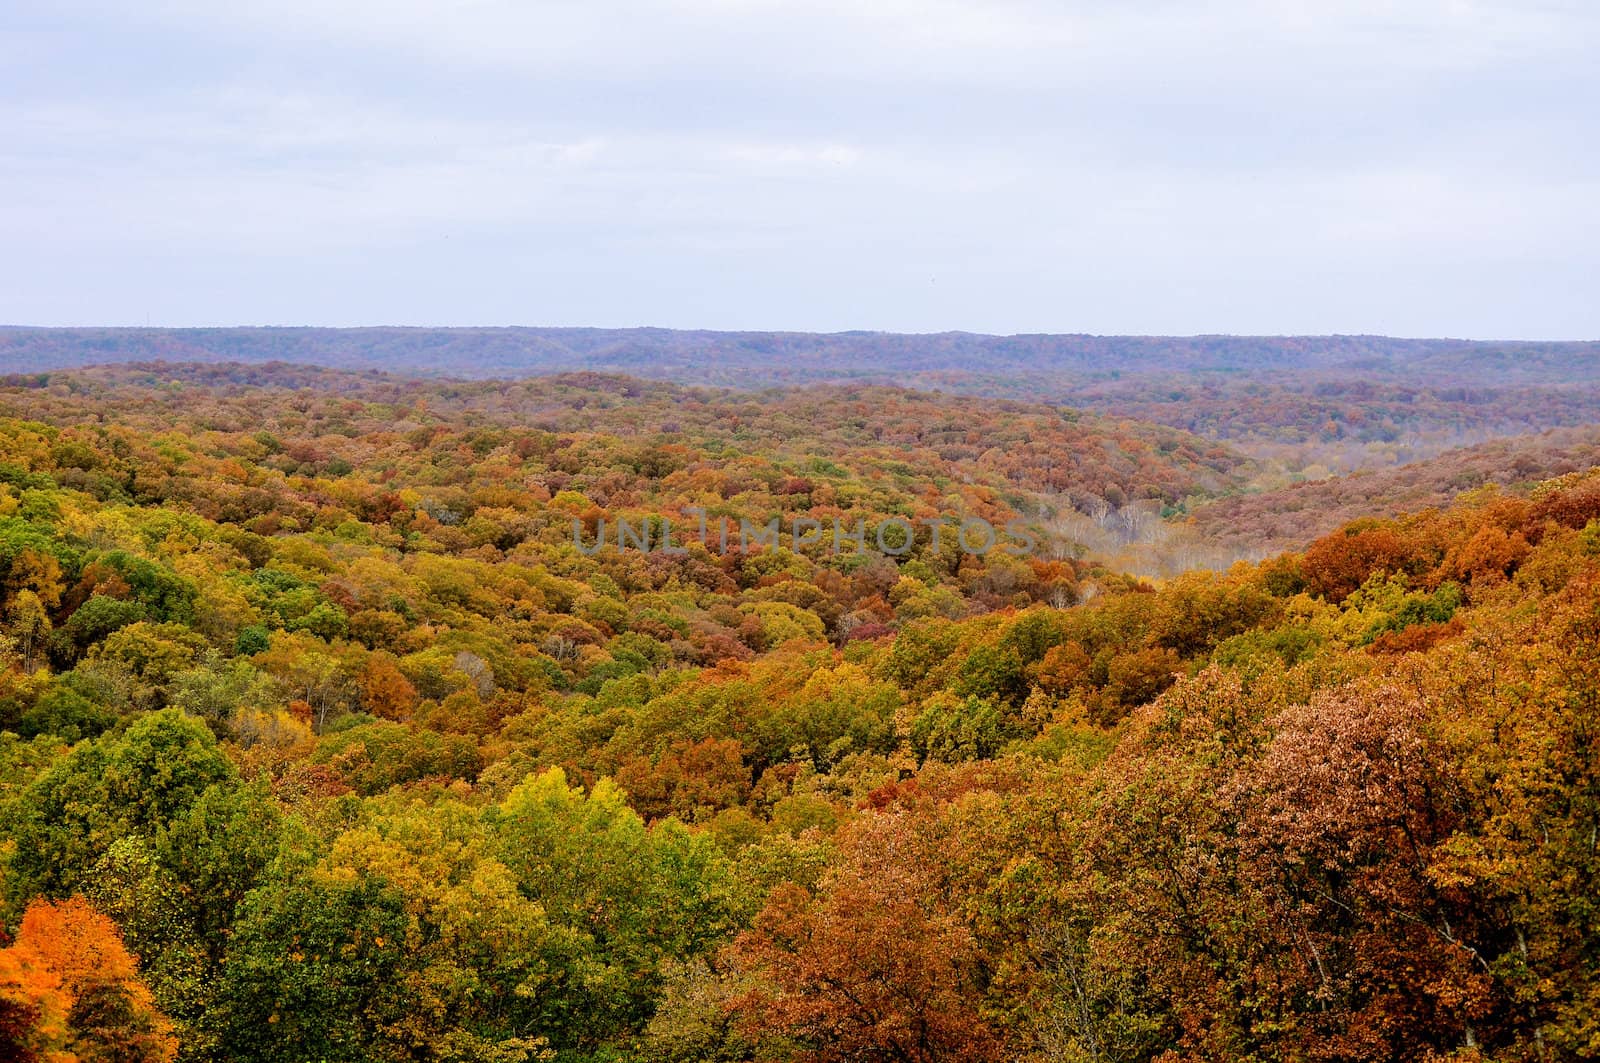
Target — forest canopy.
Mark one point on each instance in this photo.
(320, 739)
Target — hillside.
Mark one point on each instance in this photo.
(1258, 525)
(320, 738)
(923, 441)
(765, 358)
(1342, 401)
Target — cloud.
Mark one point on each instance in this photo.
(1249, 165)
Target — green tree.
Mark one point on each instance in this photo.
(136, 783)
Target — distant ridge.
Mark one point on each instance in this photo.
(1344, 402)
(758, 358)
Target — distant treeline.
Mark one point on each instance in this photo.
(779, 357)
(1352, 400)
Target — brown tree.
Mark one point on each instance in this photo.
(875, 965)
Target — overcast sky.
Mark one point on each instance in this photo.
(1420, 167)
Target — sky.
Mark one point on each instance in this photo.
(1416, 168)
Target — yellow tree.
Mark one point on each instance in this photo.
(30, 625)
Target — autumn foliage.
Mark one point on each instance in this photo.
(320, 740)
(71, 993)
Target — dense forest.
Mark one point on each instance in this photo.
(766, 357)
(1267, 522)
(1327, 403)
(323, 738)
